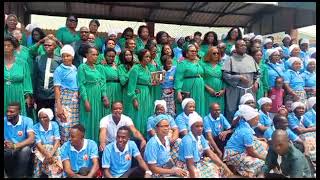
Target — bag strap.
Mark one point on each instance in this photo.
(274, 69)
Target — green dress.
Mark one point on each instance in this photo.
(139, 45)
(188, 80)
(23, 40)
(122, 43)
(65, 36)
(228, 46)
(124, 78)
(99, 41)
(213, 78)
(40, 50)
(155, 90)
(139, 88)
(159, 49)
(17, 83)
(101, 58)
(113, 87)
(203, 50)
(263, 81)
(92, 88)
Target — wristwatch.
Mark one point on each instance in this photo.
(149, 172)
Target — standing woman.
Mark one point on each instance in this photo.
(162, 38)
(189, 80)
(309, 76)
(214, 85)
(142, 39)
(92, 84)
(232, 37)
(210, 39)
(66, 93)
(93, 27)
(11, 25)
(167, 50)
(17, 80)
(139, 92)
(127, 34)
(126, 60)
(263, 80)
(68, 34)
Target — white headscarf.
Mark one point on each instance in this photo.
(30, 27)
(67, 49)
(293, 46)
(251, 35)
(311, 102)
(177, 39)
(186, 101)
(247, 112)
(311, 60)
(292, 60)
(112, 33)
(279, 49)
(264, 100)
(312, 50)
(303, 41)
(193, 118)
(267, 40)
(270, 52)
(258, 37)
(160, 102)
(287, 36)
(297, 104)
(47, 111)
(246, 36)
(246, 97)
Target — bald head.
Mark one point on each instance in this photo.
(241, 47)
(280, 142)
(84, 33)
(280, 135)
(215, 110)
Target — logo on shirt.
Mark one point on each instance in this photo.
(128, 157)
(20, 133)
(85, 157)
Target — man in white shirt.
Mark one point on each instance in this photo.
(110, 124)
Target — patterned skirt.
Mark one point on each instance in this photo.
(168, 96)
(310, 140)
(261, 147)
(70, 105)
(40, 166)
(289, 98)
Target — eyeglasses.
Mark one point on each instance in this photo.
(84, 32)
(214, 53)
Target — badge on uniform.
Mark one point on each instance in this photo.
(85, 157)
(128, 157)
(20, 133)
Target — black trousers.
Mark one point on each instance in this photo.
(16, 162)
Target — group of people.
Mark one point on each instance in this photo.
(84, 105)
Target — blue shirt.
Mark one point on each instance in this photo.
(116, 48)
(29, 40)
(46, 137)
(177, 52)
(264, 120)
(215, 126)
(82, 158)
(156, 152)
(151, 120)
(241, 138)
(309, 79)
(169, 78)
(191, 147)
(286, 51)
(304, 56)
(19, 132)
(182, 121)
(236, 114)
(66, 77)
(272, 74)
(294, 122)
(291, 135)
(311, 115)
(294, 79)
(119, 162)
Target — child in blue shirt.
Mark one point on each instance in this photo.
(265, 121)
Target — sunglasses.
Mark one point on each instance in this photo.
(214, 53)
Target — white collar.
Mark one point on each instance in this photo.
(260, 111)
(49, 128)
(85, 144)
(212, 119)
(194, 138)
(166, 142)
(184, 114)
(126, 148)
(18, 123)
(72, 67)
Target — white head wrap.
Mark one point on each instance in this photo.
(186, 101)
(287, 36)
(311, 102)
(47, 111)
(312, 50)
(297, 104)
(303, 41)
(247, 112)
(246, 36)
(30, 27)
(177, 39)
(279, 49)
(246, 97)
(193, 118)
(267, 40)
(258, 37)
(67, 49)
(19, 25)
(264, 100)
(251, 35)
(293, 46)
(112, 33)
(292, 60)
(311, 60)
(160, 102)
(270, 52)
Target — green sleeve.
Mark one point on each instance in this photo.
(59, 35)
(133, 78)
(178, 82)
(122, 43)
(100, 58)
(117, 60)
(81, 82)
(33, 50)
(27, 83)
(101, 69)
(57, 51)
(265, 78)
(123, 76)
(24, 39)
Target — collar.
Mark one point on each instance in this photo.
(212, 119)
(184, 115)
(72, 67)
(290, 151)
(260, 111)
(167, 147)
(171, 69)
(49, 128)
(85, 144)
(298, 73)
(126, 148)
(308, 72)
(313, 111)
(18, 123)
(194, 138)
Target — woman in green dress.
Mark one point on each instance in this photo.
(131, 45)
(139, 92)
(93, 27)
(11, 25)
(126, 60)
(232, 37)
(92, 84)
(162, 38)
(113, 86)
(142, 39)
(214, 85)
(17, 80)
(68, 34)
(263, 80)
(127, 34)
(167, 50)
(210, 39)
(189, 80)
